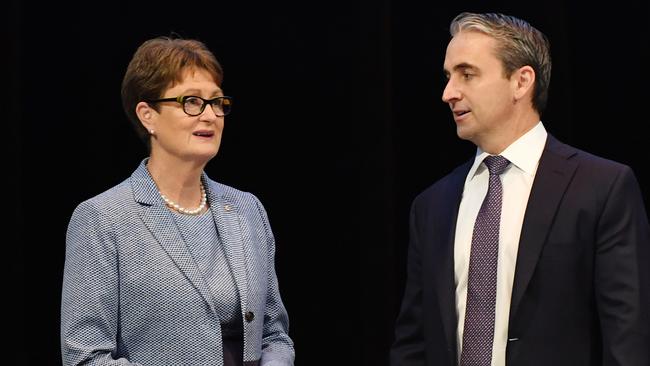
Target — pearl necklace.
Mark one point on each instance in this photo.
(179, 208)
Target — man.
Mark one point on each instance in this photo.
(537, 255)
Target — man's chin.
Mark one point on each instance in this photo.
(463, 133)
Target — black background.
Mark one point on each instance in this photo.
(337, 125)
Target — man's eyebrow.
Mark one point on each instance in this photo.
(464, 66)
(460, 67)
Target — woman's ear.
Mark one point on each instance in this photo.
(146, 115)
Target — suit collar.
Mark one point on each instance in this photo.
(146, 192)
(524, 153)
(144, 188)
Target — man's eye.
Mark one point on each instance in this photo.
(467, 76)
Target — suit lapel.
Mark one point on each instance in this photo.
(162, 226)
(553, 175)
(444, 256)
(160, 222)
(226, 218)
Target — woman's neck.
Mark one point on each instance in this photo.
(178, 180)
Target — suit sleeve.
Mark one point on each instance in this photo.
(89, 305)
(277, 346)
(408, 347)
(621, 277)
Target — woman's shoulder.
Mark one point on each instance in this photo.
(113, 199)
(232, 195)
(230, 192)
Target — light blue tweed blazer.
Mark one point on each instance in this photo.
(133, 295)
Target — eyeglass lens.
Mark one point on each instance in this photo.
(195, 106)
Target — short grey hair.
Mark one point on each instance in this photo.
(519, 44)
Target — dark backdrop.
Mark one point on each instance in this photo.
(337, 125)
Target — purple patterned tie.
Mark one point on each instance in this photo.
(478, 333)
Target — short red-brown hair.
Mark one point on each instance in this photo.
(158, 64)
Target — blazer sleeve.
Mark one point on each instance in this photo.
(89, 305)
(408, 349)
(277, 346)
(621, 277)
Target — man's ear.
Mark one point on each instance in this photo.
(523, 82)
(146, 115)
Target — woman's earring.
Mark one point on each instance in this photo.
(151, 132)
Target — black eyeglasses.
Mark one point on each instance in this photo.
(194, 106)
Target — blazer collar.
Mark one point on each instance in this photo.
(146, 192)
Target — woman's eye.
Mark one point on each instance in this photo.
(193, 101)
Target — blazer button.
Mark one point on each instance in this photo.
(249, 316)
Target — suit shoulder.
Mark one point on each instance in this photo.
(249, 205)
(445, 186)
(586, 159)
(599, 161)
(112, 200)
(237, 196)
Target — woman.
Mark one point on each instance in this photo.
(170, 267)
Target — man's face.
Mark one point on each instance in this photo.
(477, 91)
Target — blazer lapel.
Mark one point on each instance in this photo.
(161, 224)
(553, 175)
(444, 256)
(226, 217)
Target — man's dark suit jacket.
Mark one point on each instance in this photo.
(581, 287)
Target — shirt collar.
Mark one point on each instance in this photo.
(524, 153)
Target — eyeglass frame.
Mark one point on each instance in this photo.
(182, 98)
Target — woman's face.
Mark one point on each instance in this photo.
(180, 136)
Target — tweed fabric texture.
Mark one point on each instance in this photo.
(134, 295)
(478, 333)
(200, 234)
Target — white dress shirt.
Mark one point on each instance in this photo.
(517, 180)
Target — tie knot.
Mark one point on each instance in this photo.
(496, 164)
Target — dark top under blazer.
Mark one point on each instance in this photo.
(581, 287)
(132, 294)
